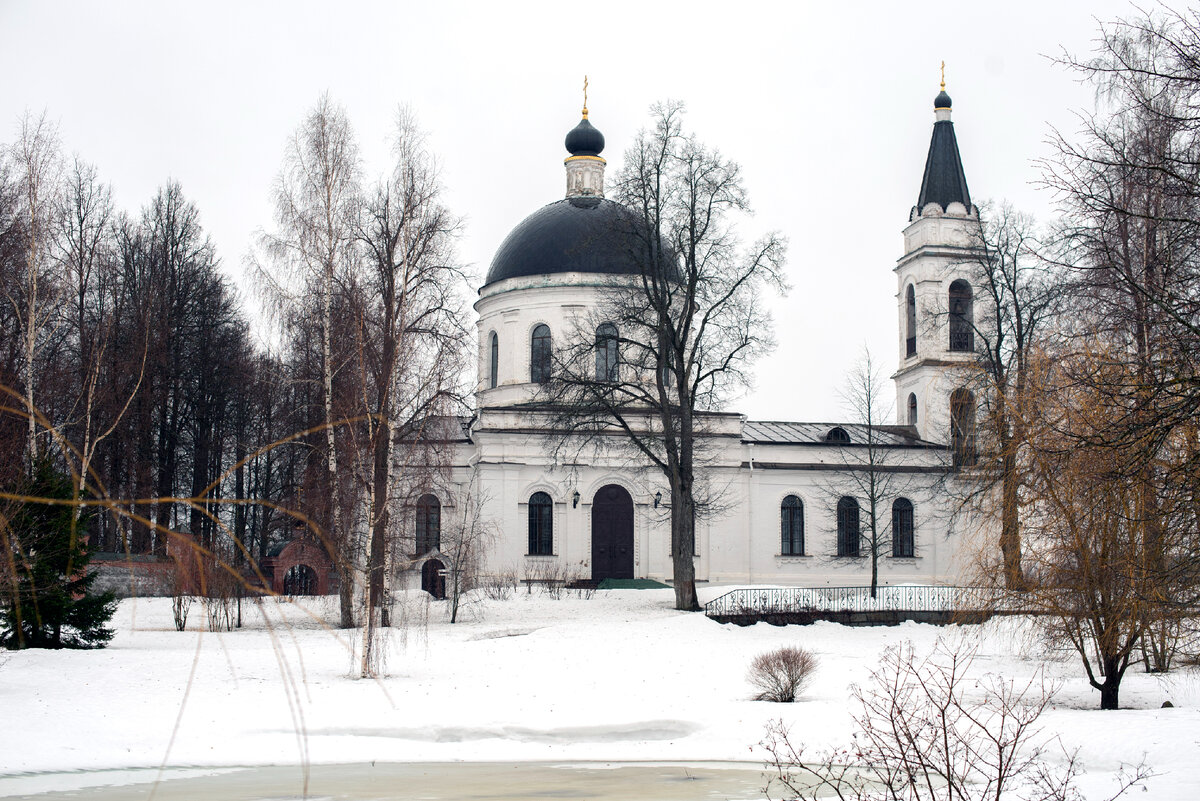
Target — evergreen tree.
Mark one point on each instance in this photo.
(48, 603)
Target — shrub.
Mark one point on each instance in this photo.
(782, 674)
(500, 586)
(925, 732)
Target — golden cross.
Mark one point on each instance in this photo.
(943, 80)
(585, 96)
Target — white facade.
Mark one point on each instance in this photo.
(758, 473)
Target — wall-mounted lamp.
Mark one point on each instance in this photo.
(657, 499)
(575, 499)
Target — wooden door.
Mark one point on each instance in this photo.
(433, 578)
(612, 533)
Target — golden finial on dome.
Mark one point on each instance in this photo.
(585, 97)
(943, 84)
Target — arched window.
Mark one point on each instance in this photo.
(962, 317)
(429, 524)
(539, 354)
(962, 428)
(910, 322)
(912, 409)
(902, 528)
(606, 352)
(838, 435)
(847, 527)
(791, 526)
(541, 524)
(493, 361)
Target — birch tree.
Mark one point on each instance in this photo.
(316, 199)
(38, 164)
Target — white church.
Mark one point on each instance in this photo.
(793, 509)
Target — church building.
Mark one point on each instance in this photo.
(796, 497)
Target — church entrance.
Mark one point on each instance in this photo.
(612, 534)
(433, 578)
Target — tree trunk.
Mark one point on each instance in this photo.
(339, 539)
(382, 452)
(345, 592)
(1108, 692)
(683, 548)
(1010, 533)
(1114, 670)
(379, 517)
(874, 544)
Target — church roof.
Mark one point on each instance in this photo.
(585, 234)
(944, 181)
(784, 433)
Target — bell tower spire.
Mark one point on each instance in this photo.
(944, 181)
(585, 167)
(937, 281)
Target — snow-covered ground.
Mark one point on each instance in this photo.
(617, 677)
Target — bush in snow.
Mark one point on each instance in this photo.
(781, 675)
(926, 732)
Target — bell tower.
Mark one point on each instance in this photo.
(937, 287)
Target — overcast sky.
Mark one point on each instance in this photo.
(827, 106)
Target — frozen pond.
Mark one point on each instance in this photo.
(456, 781)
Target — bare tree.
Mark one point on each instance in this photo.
(317, 196)
(412, 331)
(38, 160)
(1129, 186)
(84, 235)
(12, 245)
(1022, 294)
(878, 468)
(412, 340)
(465, 543)
(686, 328)
(1102, 575)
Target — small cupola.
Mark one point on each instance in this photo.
(585, 167)
(944, 184)
(584, 139)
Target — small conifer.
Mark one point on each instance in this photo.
(48, 602)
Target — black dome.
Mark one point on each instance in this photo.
(584, 140)
(942, 100)
(575, 235)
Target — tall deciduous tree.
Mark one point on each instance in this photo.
(687, 328)
(87, 261)
(317, 197)
(1022, 293)
(38, 161)
(1129, 186)
(1099, 583)
(411, 334)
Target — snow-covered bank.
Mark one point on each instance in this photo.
(618, 677)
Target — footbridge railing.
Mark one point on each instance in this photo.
(931, 603)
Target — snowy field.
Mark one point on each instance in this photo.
(618, 677)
